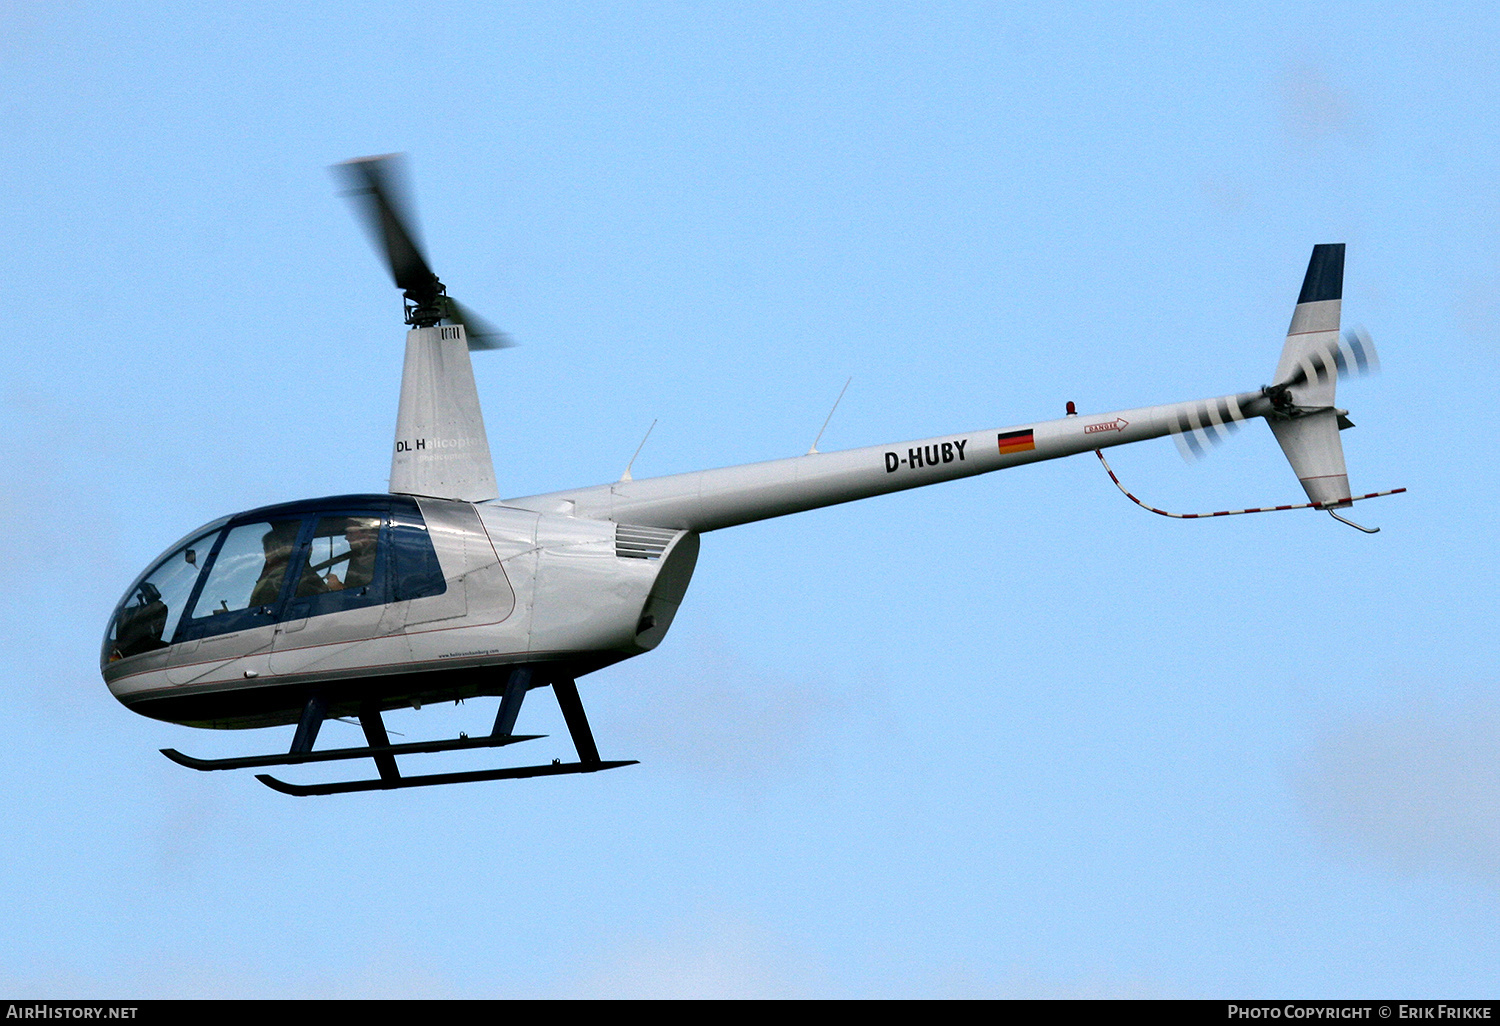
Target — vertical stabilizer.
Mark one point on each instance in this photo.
(1313, 448)
(441, 448)
(1305, 421)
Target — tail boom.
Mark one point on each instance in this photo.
(1299, 408)
(708, 500)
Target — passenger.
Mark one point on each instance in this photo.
(310, 582)
(361, 533)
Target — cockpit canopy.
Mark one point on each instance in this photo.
(285, 562)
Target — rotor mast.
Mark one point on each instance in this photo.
(441, 447)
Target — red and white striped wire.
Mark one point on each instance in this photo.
(1235, 512)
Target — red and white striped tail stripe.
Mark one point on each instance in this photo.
(1330, 505)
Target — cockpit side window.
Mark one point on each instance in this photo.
(246, 579)
(148, 617)
(344, 548)
(417, 572)
(343, 567)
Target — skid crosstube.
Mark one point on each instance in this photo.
(379, 748)
(434, 779)
(335, 754)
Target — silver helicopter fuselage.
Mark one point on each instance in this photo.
(574, 579)
(431, 591)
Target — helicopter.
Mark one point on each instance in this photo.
(350, 606)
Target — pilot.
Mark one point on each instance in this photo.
(361, 533)
(278, 544)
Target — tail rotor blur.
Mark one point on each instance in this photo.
(1199, 427)
(1356, 355)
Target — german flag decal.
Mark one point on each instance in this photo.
(1016, 441)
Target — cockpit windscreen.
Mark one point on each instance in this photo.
(285, 564)
(148, 618)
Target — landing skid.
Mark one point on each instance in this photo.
(384, 753)
(335, 754)
(344, 787)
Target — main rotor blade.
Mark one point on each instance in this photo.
(480, 332)
(376, 185)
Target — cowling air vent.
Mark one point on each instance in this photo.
(641, 542)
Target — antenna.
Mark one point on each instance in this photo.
(626, 476)
(814, 447)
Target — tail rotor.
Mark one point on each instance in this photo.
(1299, 407)
(1350, 355)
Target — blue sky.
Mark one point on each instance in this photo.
(1006, 737)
